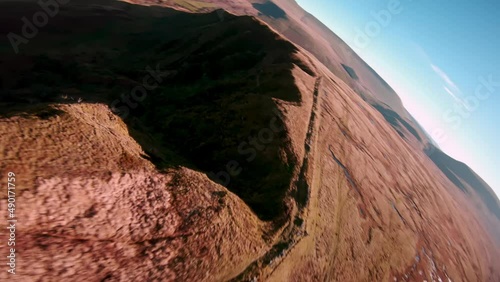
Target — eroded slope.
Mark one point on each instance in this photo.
(94, 209)
(126, 189)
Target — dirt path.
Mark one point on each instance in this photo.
(303, 188)
(293, 234)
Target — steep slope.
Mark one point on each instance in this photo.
(477, 191)
(300, 27)
(98, 178)
(314, 183)
(464, 178)
(92, 208)
(378, 210)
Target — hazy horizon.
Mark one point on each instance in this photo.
(443, 68)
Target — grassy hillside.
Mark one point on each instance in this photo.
(215, 96)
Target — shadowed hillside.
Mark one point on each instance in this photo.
(463, 177)
(397, 121)
(153, 144)
(270, 9)
(219, 90)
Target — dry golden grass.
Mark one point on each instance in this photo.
(87, 197)
(95, 208)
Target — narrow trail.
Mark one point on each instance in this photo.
(302, 196)
(354, 186)
(291, 235)
(346, 172)
(399, 213)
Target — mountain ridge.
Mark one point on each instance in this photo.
(327, 187)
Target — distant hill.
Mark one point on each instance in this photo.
(223, 140)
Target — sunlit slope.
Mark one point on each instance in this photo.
(322, 185)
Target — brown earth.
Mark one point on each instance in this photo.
(341, 192)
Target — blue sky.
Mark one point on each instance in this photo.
(442, 58)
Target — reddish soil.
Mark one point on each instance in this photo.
(105, 199)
